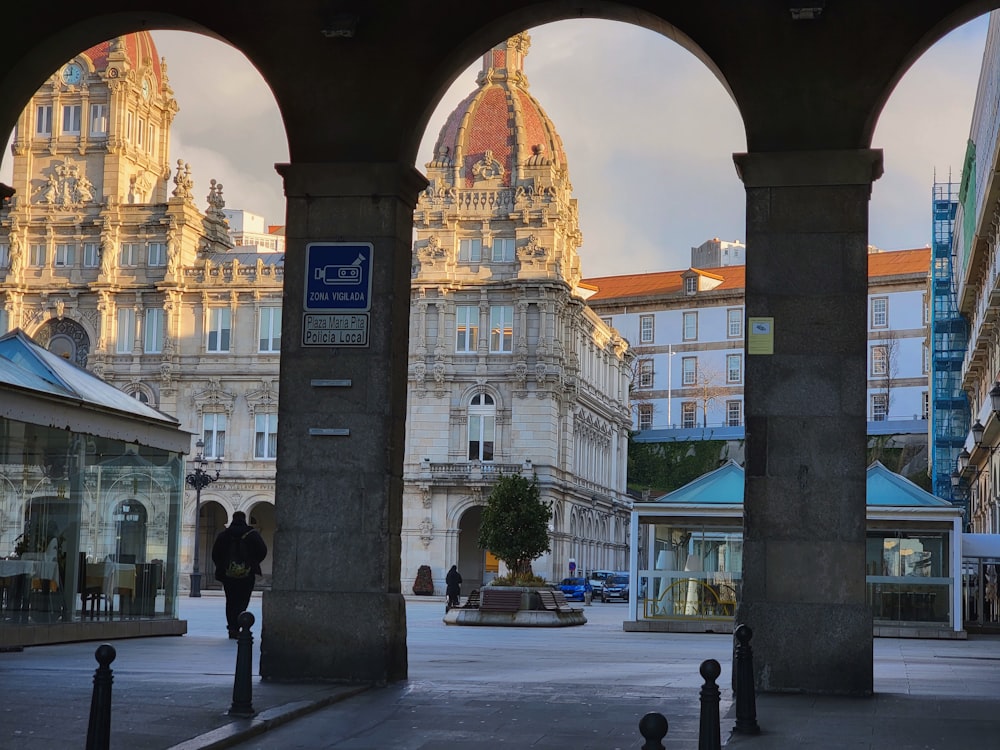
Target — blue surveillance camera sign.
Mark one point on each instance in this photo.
(338, 294)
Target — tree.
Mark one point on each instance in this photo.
(515, 525)
(709, 386)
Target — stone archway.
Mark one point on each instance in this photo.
(471, 559)
(214, 519)
(67, 338)
(261, 517)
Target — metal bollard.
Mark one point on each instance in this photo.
(99, 728)
(653, 728)
(242, 683)
(709, 734)
(746, 694)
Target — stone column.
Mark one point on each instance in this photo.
(336, 610)
(806, 425)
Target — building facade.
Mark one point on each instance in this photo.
(106, 260)
(688, 330)
(509, 370)
(976, 266)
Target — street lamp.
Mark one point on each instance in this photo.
(977, 432)
(199, 479)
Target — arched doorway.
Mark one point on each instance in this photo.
(67, 338)
(213, 519)
(261, 517)
(472, 561)
(130, 532)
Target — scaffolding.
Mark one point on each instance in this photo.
(949, 410)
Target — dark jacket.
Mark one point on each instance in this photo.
(255, 546)
(453, 581)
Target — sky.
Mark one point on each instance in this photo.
(649, 135)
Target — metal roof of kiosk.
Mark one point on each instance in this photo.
(42, 388)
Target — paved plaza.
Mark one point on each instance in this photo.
(575, 688)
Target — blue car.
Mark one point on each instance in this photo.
(575, 589)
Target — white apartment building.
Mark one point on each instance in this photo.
(250, 230)
(687, 329)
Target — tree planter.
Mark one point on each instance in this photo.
(530, 614)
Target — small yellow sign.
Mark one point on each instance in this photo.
(760, 338)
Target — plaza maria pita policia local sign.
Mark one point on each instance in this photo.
(338, 292)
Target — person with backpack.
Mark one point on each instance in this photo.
(237, 552)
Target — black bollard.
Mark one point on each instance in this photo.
(746, 694)
(99, 728)
(709, 735)
(653, 728)
(242, 683)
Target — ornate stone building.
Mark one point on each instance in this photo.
(509, 370)
(106, 260)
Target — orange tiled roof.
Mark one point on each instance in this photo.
(899, 262)
(662, 282)
(894, 263)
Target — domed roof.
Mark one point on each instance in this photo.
(139, 51)
(499, 127)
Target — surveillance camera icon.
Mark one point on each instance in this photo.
(340, 275)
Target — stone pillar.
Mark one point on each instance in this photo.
(336, 610)
(806, 424)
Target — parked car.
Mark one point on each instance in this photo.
(575, 589)
(615, 587)
(597, 581)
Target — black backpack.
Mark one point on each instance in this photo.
(239, 559)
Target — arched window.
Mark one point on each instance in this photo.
(482, 427)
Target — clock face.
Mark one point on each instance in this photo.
(72, 74)
(145, 88)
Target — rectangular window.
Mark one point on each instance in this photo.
(98, 119)
(91, 255)
(688, 415)
(503, 250)
(689, 370)
(690, 326)
(734, 323)
(502, 329)
(734, 413)
(880, 312)
(691, 285)
(880, 407)
(126, 330)
(734, 368)
(43, 119)
(927, 309)
(219, 329)
(151, 143)
(128, 125)
(265, 442)
(153, 338)
(65, 255)
(607, 322)
(38, 256)
(71, 119)
(466, 328)
(4, 255)
(645, 329)
(269, 331)
(470, 251)
(646, 373)
(880, 361)
(129, 255)
(157, 254)
(925, 361)
(140, 132)
(4, 321)
(645, 416)
(214, 434)
(925, 405)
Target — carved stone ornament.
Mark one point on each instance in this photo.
(426, 531)
(488, 168)
(66, 185)
(419, 372)
(425, 495)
